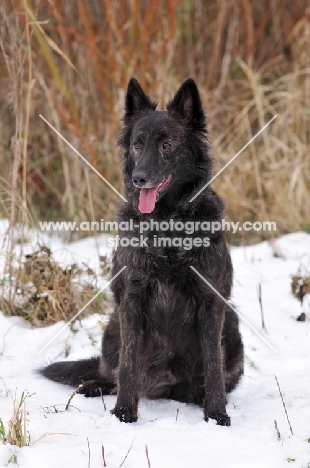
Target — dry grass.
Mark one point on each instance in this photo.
(300, 284)
(45, 292)
(15, 431)
(71, 61)
(74, 61)
(271, 179)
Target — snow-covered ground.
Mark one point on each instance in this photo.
(174, 433)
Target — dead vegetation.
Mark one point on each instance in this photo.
(71, 61)
(14, 432)
(44, 292)
(300, 285)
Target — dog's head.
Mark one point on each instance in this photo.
(165, 151)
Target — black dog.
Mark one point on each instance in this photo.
(171, 335)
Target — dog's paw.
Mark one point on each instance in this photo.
(125, 414)
(90, 389)
(222, 419)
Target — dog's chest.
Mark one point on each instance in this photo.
(170, 265)
(170, 307)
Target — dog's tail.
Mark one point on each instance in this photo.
(85, 375)
(73, 372)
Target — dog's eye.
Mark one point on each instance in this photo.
(166, 145)
(137, 145)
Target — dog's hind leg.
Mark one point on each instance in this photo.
(233, 350)
(95, 376)
(108, 364)
(95, 388)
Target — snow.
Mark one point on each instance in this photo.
(175, 434)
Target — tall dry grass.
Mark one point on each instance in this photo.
(15, 432)
(71, 61)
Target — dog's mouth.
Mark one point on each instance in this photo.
(149, 196)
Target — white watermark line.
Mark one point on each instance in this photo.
(233, 158)
(82, 157)
(238, 313)
(81, 310)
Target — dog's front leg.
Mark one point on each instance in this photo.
(126, 408)
(211, 319)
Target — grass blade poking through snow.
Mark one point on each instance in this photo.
(88, 453)
(147, 456)
(102, 452)
(128, 451)
(16, 431)
(284, 405)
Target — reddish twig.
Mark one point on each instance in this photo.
(147, 456)
(284, 406)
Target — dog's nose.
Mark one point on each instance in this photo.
(139, 179)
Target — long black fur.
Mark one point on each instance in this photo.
(170, 335)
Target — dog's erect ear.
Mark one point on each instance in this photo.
(136, 101)
(187, 103)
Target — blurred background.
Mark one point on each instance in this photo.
(71, 60)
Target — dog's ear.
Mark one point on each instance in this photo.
(187, 103)
(136, 101)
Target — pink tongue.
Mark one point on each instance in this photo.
(147, 199)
